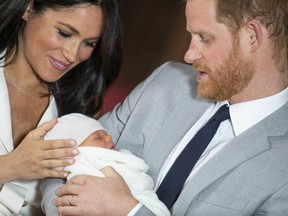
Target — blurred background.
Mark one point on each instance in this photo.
(155, 32)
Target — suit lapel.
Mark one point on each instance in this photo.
(247, 145)
(6, 142)
(178, 122)
(235, 153)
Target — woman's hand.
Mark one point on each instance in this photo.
(89, 195)
(35, 158)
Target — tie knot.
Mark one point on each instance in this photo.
(222, 113)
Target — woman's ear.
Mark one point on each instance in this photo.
(255, 34)
(27, 11)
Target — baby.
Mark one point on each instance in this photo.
(96, 151)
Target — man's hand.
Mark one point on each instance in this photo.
(89, 195)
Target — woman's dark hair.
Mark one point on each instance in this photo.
(82, 89)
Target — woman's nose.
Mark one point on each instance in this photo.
(70, 51)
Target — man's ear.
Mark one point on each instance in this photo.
(27, 11)
(254, 30)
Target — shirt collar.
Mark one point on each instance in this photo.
(246, 114)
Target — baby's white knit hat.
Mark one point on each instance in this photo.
(73, 126)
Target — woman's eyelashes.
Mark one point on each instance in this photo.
(63, 33)
(90, 44)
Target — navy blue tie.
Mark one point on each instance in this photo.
(171, 186)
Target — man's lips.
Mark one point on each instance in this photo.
(201, 75)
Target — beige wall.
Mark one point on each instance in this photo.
(155, 32)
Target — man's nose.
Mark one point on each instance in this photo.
(192, 55)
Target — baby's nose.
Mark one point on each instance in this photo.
(107, 138)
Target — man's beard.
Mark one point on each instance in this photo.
(228, 79)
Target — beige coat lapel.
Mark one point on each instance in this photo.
(6, 142)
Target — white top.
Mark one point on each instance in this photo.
(13, 194)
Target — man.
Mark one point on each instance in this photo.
(239, 50)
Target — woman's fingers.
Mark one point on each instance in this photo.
(35, 158)
(42, 129)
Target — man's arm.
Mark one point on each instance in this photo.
(276, 204)
(48, 189)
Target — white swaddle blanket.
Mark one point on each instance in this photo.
(131, 168)
(92, 159)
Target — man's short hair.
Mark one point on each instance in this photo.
(272, 14)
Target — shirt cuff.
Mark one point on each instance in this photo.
(12, 197)
(135, 209)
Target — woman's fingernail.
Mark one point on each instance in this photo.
(70, 161)
(73, 142)
(75, 151)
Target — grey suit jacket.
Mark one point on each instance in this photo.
(247, 177)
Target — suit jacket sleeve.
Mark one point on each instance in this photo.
(146, 102)
(48, 189)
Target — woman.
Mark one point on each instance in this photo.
(57, 57)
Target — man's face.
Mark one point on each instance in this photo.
(222, 70)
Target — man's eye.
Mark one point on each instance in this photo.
(205, 39)
(63, 34)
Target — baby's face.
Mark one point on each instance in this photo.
(99, 138)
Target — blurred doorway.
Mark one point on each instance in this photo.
(155, 32)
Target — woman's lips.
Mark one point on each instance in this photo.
(58, 65)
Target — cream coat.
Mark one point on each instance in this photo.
(13, 194)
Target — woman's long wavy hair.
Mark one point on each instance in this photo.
(82, 89)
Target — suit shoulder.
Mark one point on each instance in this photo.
(173, 76)
(176, 69)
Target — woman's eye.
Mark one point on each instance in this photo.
(64, 34)
(90, 44)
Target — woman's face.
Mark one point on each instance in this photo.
(55, 41)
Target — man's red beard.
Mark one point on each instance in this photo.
(228, 79)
